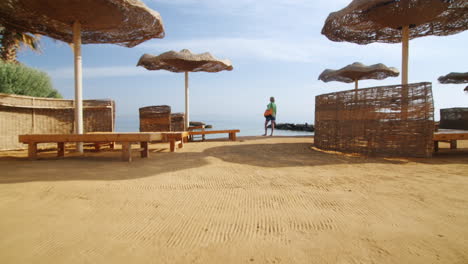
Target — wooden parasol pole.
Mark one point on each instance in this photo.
(404, 69)
(405, 51)
(356, 90)
(187, 122)
(78, 83)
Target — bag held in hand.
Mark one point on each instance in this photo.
(268, 112)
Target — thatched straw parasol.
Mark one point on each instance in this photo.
(358, 71)
(122, 22)
(394, 21)
(455, 77)
(184, 61)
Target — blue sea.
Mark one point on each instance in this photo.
(247, 126)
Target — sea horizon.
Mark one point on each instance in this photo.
(248, 126)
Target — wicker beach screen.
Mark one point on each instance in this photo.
(177, 122)
(155, 118)
(380, 121)
(454, 118)
(35, 115)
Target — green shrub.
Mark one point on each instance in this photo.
(23, 80)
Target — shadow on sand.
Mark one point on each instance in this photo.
(106, 165)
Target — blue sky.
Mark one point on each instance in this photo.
(276, 49)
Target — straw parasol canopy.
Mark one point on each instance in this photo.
(184, 61)
(394, 21)
(122, 22)
(455, 77)
(358, 71)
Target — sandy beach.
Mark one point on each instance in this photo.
(257, 200)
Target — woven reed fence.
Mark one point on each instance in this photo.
(177, 121)
(377, 121)
(35, 115)
(454, 118)
(155, 118)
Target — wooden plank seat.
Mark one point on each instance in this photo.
(98, 138)
(196, 128)
(449, 135)
(230, 132)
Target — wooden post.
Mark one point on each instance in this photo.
(78, 83)
(126, 151)
(404, 73)
(405, 53)
(180, 139)
(33, 117)
(145, 151)
(32, 150)
(356, 89)
(453, 144)
(60, 149)
(172, 144)
(112, 116)
(187, 122)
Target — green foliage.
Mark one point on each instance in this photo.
(22, 80)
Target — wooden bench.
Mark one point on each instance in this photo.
(230, 132)
(125, 139)
(449, 135)
(196, 128)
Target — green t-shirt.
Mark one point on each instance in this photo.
(272, 106)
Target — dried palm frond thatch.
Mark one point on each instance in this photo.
(358, 71)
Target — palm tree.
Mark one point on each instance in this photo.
(12, 41)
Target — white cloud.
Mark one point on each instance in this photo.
(103, 72)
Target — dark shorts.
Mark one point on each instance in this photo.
(270, 118)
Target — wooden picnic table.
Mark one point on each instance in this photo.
(125, 139)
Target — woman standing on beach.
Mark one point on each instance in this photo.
(270, 116)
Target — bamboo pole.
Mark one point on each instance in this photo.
(187, 122)
(78, 83)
